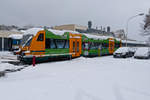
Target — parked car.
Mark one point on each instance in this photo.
(142, 52)
(123, 52)
(132, 50)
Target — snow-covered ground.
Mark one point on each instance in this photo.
(100, 78)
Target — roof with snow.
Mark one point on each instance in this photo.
(16, 36)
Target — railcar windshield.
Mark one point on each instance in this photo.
(26, 40)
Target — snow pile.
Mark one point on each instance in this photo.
(142, 51)
(16, 36)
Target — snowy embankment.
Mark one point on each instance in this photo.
(101, 78)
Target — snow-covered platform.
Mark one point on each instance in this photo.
(101, 78)
(5, 58)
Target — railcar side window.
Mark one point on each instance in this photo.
(77, 46)
(53, 44)
(60, 43)
(14, 42)
(83, 45)
(105, 45)
(117, 45)
(40, 37)
(94, 45)
(73, 46)
(48, 43)
(100, 46)
(86, 46)
(66, 44)
(18, 42)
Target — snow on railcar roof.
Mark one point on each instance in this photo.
(16, 36)
(61, 32)
(96, 36)
(33, 31)
(56, 32)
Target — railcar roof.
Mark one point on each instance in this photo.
(34, 31)
(96, 36)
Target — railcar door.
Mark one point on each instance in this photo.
(111, 45)
(75, 46)
(78, 47)
(72, 47)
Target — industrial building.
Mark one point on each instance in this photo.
(72, 27)
(85, 29)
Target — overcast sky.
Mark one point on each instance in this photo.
(112, 13)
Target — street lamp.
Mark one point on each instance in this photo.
(141, 14)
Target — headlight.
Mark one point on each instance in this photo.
(25, 52)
